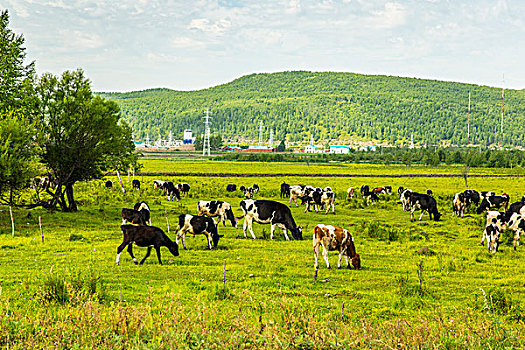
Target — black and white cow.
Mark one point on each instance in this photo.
(296, 192)
(143, 208)
(217, 208)
(517, 207)
(231, 188)
(364, 188)
(285, 190)
(320, 198)
(517, 224)
(492, 234)
(269, 212)
(405, 198)
(370, 196)
(158, 184)
(423, 202)
(135, 184)
(170, 191)
(183, 188)
(109, 184)
(462, 200)
(494, 202)
(198, 225)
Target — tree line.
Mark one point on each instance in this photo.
(53, 127)
(333, 106)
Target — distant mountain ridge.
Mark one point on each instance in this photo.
(331, 106)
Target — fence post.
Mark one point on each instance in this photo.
(41, 230)
(12, 221)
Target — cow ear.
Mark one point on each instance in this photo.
(221, 236)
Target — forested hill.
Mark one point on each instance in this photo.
(331, 106)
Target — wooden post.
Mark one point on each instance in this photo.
(224, 279)
(121, 184)
(12, 221)
(41, 231)
(167, 222)
(342, 309)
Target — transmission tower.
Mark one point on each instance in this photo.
(206, 141)
(261, 133)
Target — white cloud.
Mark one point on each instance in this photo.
(186, 42)
(217, 28)
(392, 15)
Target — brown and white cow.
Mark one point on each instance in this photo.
(335, 238)
(350, 193)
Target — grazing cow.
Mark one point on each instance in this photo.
(198, 225)
(517, 207)
(369, 196)
(319, 198)
(350, 193)
(132, 216)
(494, 202)
(297, 191)
(335, 238)
(312, 198)
(405, 198)
(109, 184)
(494, 217)
(492, 234)
(249, 192)
(217, 208)
(285, 190)
(183, 188)
(255, 188)
(485, 194)
(145, 236)
(143, 208)
(170, 191)
(158, 184)
(269, 212)
(231, 188)
(462, 200)
(517, 224)
(424, 203)
(135, 184)
(475, 196)
(382, 190)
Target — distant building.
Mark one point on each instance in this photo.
(368, 148)
(312, 149)
(340, 149)
(232, 149)
(188, 139)
(259, 149)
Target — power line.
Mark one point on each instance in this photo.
(206, 141)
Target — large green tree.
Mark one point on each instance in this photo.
(84, 135)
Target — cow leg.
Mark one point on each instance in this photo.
(412, 218)
(316, 256)
(272, 230)
(248, 224)
(181, 234)
(341, 252)
(223, 217)
(148, 252)
(423, 212)
(120, 249)
(130, 251)
(158, 254)
(208, 237)
(484, 235)
(516, 242)
(325, 256)
(284, 232)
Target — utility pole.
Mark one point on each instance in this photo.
(468, 120)
(206, 141)
(502, 94)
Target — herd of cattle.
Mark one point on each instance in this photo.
(136, 223)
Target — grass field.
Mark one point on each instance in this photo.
(67, 292)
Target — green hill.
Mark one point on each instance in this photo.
(342, 106)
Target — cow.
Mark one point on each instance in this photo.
(135, 184)
(382, 190)
(494, 202)
(198, 225)
(255, 188)
(158, 185)
(405, 198)
(217, 208)
(145, 236)
(285, 190)
(249, 192)
(517, 207)
(170, 191)
(298, 191)
(350, 193)
(492, 234)
(517, 224)
(132, 216)
(369, 196)
(364, 189)
(231, 188)
(269, 212)
(183, 188)
(494, 218)
(335, 238)
(109, 184)
(319, 198)
(143, 208)
(424, 203)
(312, 198)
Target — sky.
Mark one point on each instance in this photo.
(128, 45)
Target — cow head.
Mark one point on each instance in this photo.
(215, 236)
(437, 215)
(356, 262)
(400, 189)
(364, 189)
(231, 217)
(174, 249)
(297, 233)
(484, 205)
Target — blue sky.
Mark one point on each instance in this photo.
(187, 45)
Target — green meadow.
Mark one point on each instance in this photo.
(63, 289)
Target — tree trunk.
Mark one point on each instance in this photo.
(70, 198)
